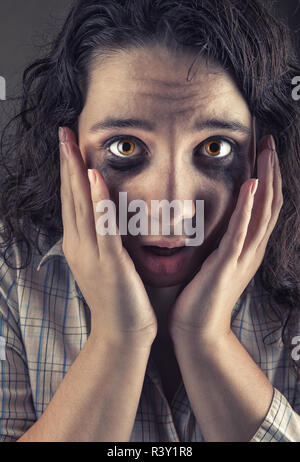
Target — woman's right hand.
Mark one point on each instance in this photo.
(106, 275)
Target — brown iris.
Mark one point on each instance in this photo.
(128, 147)
(213, 147)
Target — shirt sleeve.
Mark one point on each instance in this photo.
(17, 413)
(281, 424)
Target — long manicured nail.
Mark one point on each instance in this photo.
(270, 156)
(92, 176)
(64, 150)
(271, 143)
(254, 187)
(62, 134)
(273, 157)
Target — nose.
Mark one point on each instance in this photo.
(172, 198)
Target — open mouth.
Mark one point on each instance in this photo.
(163, 251)
(164, 261)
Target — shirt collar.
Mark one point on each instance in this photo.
(54, 251)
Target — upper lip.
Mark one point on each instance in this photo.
(167, 244)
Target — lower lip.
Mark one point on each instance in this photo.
(166, 265)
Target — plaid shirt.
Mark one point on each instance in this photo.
(44, 323)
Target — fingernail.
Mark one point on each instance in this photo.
(62, 134)
(254, 187)
(272, 158)
(65, 149)
(92, 176)
(271, 143)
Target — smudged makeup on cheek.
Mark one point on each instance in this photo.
(114, 178)
(231, 171)
(224, 178)
(115, 172)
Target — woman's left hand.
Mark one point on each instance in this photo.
(203, 309)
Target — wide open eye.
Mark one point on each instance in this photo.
(216, 148)
(123, 147)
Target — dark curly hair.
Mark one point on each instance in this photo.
(245, 37)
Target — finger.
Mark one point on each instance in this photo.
(67, 202)
(233, 240)
(276, 204)
(262, 207)
(81, 194)
(253, 147)
(107, 233)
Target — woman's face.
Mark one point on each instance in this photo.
(191, 140)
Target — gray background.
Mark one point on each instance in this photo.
(26, 25)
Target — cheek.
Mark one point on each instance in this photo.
(221, 197)
(230, 177)
(218, 204)
(114, 182)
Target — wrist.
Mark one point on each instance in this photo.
(125, 341)
(204, 340)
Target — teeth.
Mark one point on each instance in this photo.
(163, 251)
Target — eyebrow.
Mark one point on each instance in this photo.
(110, 122)
(232, 125)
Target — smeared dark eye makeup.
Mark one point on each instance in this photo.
(127, 164)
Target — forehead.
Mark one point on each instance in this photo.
(153, 83)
